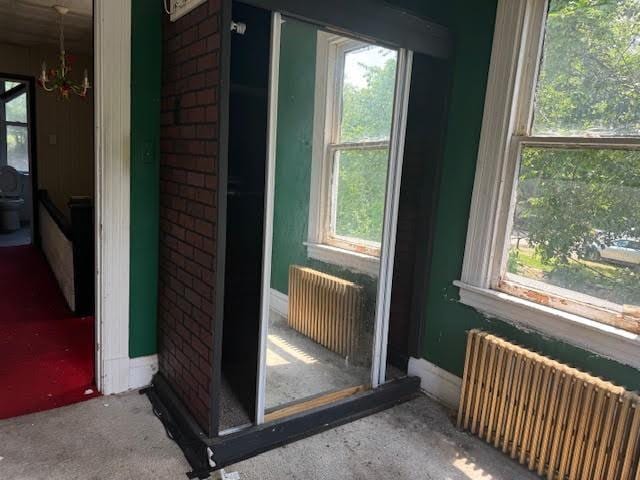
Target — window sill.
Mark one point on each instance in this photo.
(605, 340)
(358, 262)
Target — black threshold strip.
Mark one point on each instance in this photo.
(206, 454)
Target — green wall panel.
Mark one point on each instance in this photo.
(146, 52)
(293, 160)
(293, 149)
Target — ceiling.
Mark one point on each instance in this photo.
(35, 22)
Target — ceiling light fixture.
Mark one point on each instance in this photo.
(58, 79)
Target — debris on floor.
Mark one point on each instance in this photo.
(222, 475)
(413, 441)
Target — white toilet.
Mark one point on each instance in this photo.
(10, 199)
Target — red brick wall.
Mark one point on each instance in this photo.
(188, 185)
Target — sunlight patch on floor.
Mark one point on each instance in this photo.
(470, 469)
(273, 359)
(292, 350)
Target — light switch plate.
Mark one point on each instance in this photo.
(182, 7)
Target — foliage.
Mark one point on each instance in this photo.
(16, 109)
(362, 178)
(512, 261)
(590, 75)
(367, 110)
(610, 282)
(621, 286)
(361, 173)
(571, 201)
(16, 135)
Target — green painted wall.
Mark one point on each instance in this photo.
(446, 320)
(293, 160)
(146, 57)
(293, 148)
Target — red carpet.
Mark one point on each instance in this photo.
(46, 354)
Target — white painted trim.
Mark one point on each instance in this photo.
(358, 262)
(141, 371)
(112, 22)
(497, 127)
(272, 130)
(330, 57)
(322, 120)
(436, 382)
(279, 303)
(605, 340)
(390, 225)
(625, 143)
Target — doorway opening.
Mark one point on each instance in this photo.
(47, 159)
(16, 138)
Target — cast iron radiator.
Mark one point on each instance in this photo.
(557, 420)
(326, 309)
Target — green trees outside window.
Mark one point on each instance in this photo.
(574, 203)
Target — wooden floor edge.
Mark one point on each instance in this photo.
(314, 403)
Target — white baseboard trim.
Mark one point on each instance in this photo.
(141, 370)
(436, 382)
(279, 303)
(114, 375)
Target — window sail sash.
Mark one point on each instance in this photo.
(358, 146)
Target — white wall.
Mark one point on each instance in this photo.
(59, 252)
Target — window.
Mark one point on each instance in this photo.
(557, 194)
(14, 128)
(355, 93)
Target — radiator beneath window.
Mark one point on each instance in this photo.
(556, 420)
(326, 309)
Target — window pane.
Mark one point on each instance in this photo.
(8, 85)
(367, 94)
(589, 80)
(18, 147)
(360, 190)
(16, 109)
(574, 210)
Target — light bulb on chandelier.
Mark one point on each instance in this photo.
(58, 79)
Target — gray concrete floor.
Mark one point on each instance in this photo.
(298, 368)
(118, 438)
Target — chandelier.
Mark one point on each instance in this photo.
(57, 79)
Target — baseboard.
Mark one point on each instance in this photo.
(436, 382)
(279, 303)
(142, 370)
(115, 375)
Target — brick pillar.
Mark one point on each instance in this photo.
(188, 186)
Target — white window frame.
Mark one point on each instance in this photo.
(322, 245)
(515, 59)
(4, 123)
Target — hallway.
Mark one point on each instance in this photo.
(46, 354)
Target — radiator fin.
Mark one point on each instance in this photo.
(556, 420)
(326, 309)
